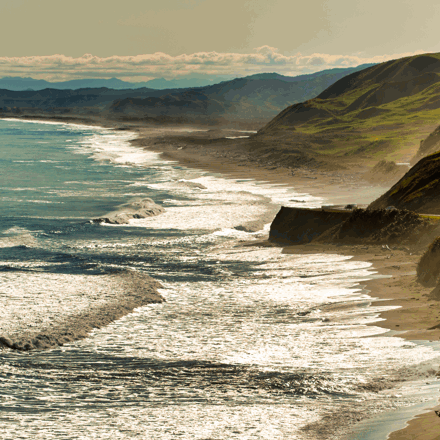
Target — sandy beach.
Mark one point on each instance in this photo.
(415, 317)
(418, 315)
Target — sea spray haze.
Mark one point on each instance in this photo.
(250, 343)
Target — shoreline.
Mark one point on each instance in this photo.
(67, 317)
(399, 263)
(400, 289)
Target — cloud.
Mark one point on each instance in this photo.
(143, 67)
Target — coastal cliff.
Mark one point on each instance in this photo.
(417, 190)
(302, 225)
(360, 226)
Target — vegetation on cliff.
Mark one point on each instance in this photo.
(382, 112)
(360, 226)
(418, 190)
(380, 226)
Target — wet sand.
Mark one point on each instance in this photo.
(423, 427)
(235, 161)
(418, 310)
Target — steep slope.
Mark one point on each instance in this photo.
(418, 190)
(429, 145)
(382, 112)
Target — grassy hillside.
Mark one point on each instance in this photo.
(382, 112)
(418, 190)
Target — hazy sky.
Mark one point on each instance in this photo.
(182, 37)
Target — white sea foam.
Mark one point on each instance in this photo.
(115, 147)
(220, 359)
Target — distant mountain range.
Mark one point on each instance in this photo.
(348, 118)
(18, 84)
(256, 97)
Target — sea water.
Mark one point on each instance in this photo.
(251, 343)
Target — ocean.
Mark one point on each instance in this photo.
(251, 343)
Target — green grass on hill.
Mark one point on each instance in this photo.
(382, 112)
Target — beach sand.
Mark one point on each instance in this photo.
(418, 310)
(423, 427)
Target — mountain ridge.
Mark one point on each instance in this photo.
(379, 113)
(16, 83)
(241, 98)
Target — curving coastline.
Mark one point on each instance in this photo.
(383, 260)
(414, 320)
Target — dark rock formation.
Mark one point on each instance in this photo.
(301, 225)
(360, 226)
(379, 226)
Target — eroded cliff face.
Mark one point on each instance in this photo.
(301, 225)
(418, 190)
(360, 226)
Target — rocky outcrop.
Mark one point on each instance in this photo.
(301, 225)
(360, 226)
(379, 226)
(137, 208)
